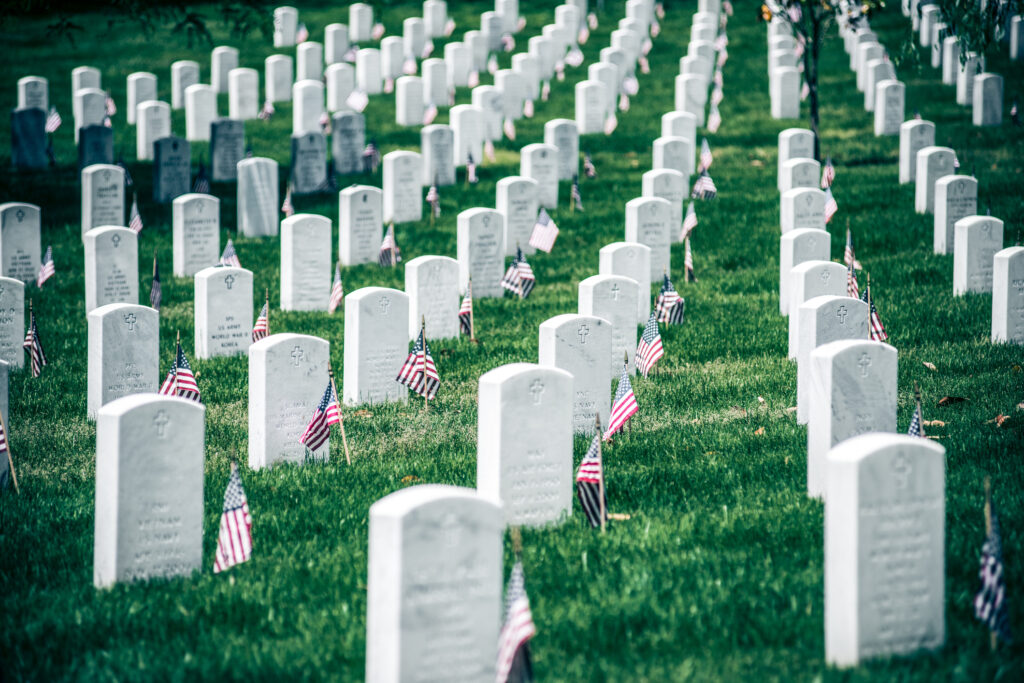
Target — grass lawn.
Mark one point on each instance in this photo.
(718, 575)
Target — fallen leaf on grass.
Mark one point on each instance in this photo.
(998, 419)
(786, 461)
(1020, 406)
(934, 423)
(1016, 367)
(950, 400)
(619, 516)
(362, 413)
(757, 163)
(760, 399)
(409, 478)
(759, 431)
(930, 366)
(791, 410)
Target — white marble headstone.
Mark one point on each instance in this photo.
(305, 262)
(825, 319)
(540, 162)
(796, 247)
(124, 349)
(376, 344)
(20, 245)
(111, 267)
(580, 345)
(258, 204)
(12, 321)
(200, 111)
(977, 239)
(432, 283)
(403, 187)
(223, 311)
(806, 281)
(613, 297)
(932, 163)
(956, 197)
(516, 200)
(360, 224)
(1008, 296)
(480, 248)
(196, 233)
(915, 135)
(278, 78)
(141, 87)
(184, 73)
(648, 221)
(243, 94)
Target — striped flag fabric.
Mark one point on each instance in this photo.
(471, 176)
(545, 91)
(429, 113)
(916, 429)
(489, 154)
(717, 94)
(990, 605)
(180, 381)
(409, 66)
(325, 123)
(1015, 115)
(828, 174)
(852, 288)
(378, 31)
(848, 256)
(689, 221)
(466, 312)
(46, 269)
(519, 278)
(302, 34)
(624, 406)
(419, 372)
(649, 351)
(704, 187)
(33, 346)
(266, 111)
(434, 199)
(589, 169)
(611, 122)
(874, 320)
(575, 197)
(514, 663)
(590, 485)
(389, 254)
(669, 306)
(156, 291)
(528, 109)
(261, 329)
(830, 205)
(234, 542)
(135, 218)
(357, 100)
(705, 155)
(545, 232)
(202, 182)
(229, 257)
(337, 292)
(688, 263)
(509, 129)
(53, 121)
(319, 428)
(110, 106)
(492, 64)
(371, 156)
(623, 102)
(714, 119)
(287, 208)
(474, 79)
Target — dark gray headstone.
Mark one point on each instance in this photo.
(172, 168)
(348, 141)
(28, 138)
(309, 163)
(95, 146)
(227, 148)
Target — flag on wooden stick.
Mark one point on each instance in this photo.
(46, 268)
(590, 485)
(990, 604)
(624, 406)
(327, 413)
(649, 351)
(155, 289)
(544, 232)
(389, 254)
(514, 664)
(32, 344)
(229, 257)
(669, 306)
(234, 542)
(419, 372)
(337, 293)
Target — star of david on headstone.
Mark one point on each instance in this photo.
(385, 304)
(130, 321)
(583, 332)
(841, 313)
(160, 422)
(297, 354)
(537, 389)
(864, 363)
(229, 281)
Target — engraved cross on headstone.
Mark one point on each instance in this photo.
(229, 281)
(160, 423)
(130, 321)
(537, 389)
(297, 354)
(864, 363)
(583, 332)
(385, 304)
(841, 313)
(825, 275)
(615, 292)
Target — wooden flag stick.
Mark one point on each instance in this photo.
(993, 642)
(266, 300)
(600, 483)
(517, 542)
(423, 336)
(10, 458)
(341, 418)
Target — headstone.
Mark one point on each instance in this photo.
(480, 248)
(876, 71)
(243, 94)
(278, 79)
(467, 124)
(632, 260)
(607, 74)
(885, 565)
(124, 353)
(286, 21)
(563, 136)
(541, 49)
(154, 122)
(956, 197)
(432, 283)
(802, 207)
(932, 163)
(540, 162)
(20, 244)
(492, 28)
(435, 81)
(489, 98)
(403, 187)
(988, 100)
(679, 124)
(184, 73)
(798, 246)
(915, 135)
(977, 239)
(474, 40)
(141, 87)
(111, 267)
(368, 73)
(799, 173)
(851, 391)
(33, 91)
(89, 106)
(435, 16)
(889, 106)
(434, 573)
(348, 139)
(360, 22)
(414, 35)
(436, 144)
(309, 163)
(309, 61)
(5, 372)
(360, 224)
(12, 321)
(84, 77)
(287, 377)
(149, 489)
(508, 10)
(580, 345)
(517, 202)
(526, 66)
(458, 61)
(670, 185)
(866, 53)
(95, 146)
(929, 17)
(409, 105)
(825, 319)
(613, 297)
(970, 66)
(376, 344)
(806, 281)
(648, 221)
(1007, 296)
(675, 153)
(691, 95)
(591, 106)
(305, 262)
(392, 57)
(1016, 38)
(335, 43)
(172, 169)
(200, 112)
(513, 92)
(794, 143)
(222, 61)
(102, 196)
(28, 138)
(196, 233)
(227, 149)
(950, 59)
(784, 87)
(258, 203)
(308, 106)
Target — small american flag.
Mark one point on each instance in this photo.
(917, 114)
(916, 429)
(449, 27)
(645, 65)
(875, 321)
(509, 129)
(302, 34)
(492, 64)
(325, 123)
(669, 306)
(830, 205)
(371, 157)
(583, 35)
(706, 157)
(560, 70)
(474, 79)
(234, 543)
(575, 197)
(528, 109)
(1015, 114)
(337, 292)
(128, 181)
(389, 255)
(704, 187)
(428, 49)
(180, 381)
(466, 311)
(33, 346)
(611, 122)
(202, 182)
(378, 31)
(514, 664)
(574, 58)
(135, 218)
(589, 169)
(805, 91)
(357, 100)
(155, 289)
(249, 152)
(229, 257)
(714, 119)
(110, 106)
(489, 154)
(723, 57)
(419, 372)
(956, 161)
(623, 102)
(266, 111)
(852, 288)
(434, 199)
(53, 121)
(721, 40)
(47, 269)
(717, 94)
(848, 256)
(624, 406)
(519, 278)
(592, 20)
(319, 428)
(286, 207)
(590, 485)
(828, 174)
(471, 176)
(262, 327)
(990, 605)
(545, 232)
(649, 350)
(545, 91)
(718, 79)
(429, 114)
(688, 263)
(689, 222)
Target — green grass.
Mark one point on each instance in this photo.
(718, 575)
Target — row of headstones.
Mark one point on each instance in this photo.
(925, 15)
